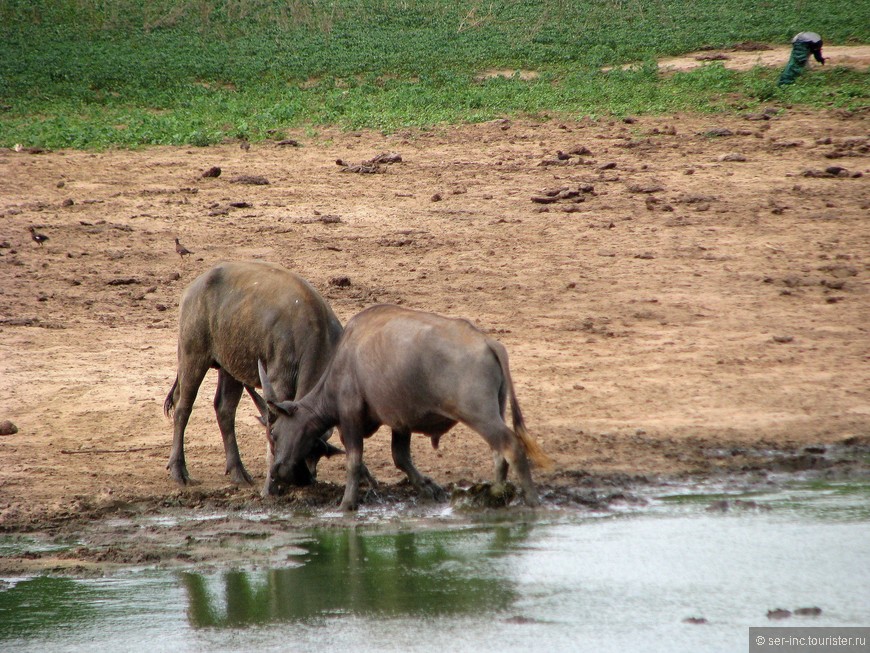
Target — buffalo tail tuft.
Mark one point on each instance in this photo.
(169, 404)
(533, 450)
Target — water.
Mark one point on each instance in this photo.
(565, 581)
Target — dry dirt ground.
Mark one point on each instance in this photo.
(678, 295)
(751, 54)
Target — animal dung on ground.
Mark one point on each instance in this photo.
(8, 428)
(375, 165)
(385, 158)
(361, 169)
(570, 194)
(340, 282)
(829, 172)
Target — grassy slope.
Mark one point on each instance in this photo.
(92, 73)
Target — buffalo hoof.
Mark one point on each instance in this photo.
(530, 497)
(178, 472)
(239, 475)
(349, 506)
(431, 491)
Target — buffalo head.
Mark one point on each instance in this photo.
(297, 438)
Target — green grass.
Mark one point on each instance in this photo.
(99, 73)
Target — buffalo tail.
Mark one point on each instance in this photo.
(533, 450)
(169, 404)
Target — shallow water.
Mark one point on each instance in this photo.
(563, 580)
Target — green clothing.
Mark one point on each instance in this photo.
(802, 46)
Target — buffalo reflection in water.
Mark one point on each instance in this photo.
(343, 572)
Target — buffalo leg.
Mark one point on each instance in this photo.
(520, 463)
(508, 453)
(226, 400)
(499, 463)
(501, 467)
(354, 449)
(185, 395)
(401, 447)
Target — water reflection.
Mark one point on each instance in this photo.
(346, 572)
(45, 604)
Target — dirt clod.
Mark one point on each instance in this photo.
(340, 282)
(8, 428)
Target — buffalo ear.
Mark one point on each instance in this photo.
(331, 450)
(287, 407)
(323, 448)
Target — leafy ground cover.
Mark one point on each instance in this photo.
(93, 74)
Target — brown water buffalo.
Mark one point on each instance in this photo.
(232, 316)
(414, 372)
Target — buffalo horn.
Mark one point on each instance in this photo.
(268, 391)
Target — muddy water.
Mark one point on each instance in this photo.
(560, 580)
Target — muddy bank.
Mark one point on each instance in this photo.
(236, 527)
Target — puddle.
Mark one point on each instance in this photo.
(558, 579)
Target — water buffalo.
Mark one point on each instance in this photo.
(232, 316)
(415, 372)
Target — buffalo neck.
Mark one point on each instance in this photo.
(320, 405)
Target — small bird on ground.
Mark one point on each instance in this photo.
(245, 145)
(180, 249)
(38, 238)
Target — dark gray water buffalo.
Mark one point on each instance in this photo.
(415, 372)
(232, 316)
